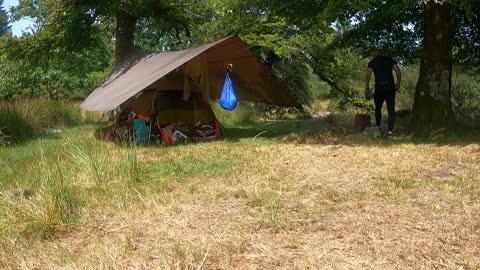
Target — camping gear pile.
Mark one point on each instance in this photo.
(165, 116)
(181, 132)
(140, 131)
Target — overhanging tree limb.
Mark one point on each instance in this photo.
(332, 83)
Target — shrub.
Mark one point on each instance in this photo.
(243, 114)
(407, 92)
(64, 114)
(466, 98)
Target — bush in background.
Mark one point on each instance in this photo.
(243, 114)
(3, 139)
(405, 99)
(22, 119)
(466, 98)
(465, 94)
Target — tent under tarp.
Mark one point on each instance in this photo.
(169, 107)
(165, 116)
(196, 71)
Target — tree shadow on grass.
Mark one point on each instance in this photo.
(322, 131)
(29, 138)
(341, 132)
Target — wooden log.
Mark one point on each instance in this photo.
(362, 121)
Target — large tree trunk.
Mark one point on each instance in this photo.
(432, 109)
(124, 35)
(124, 43)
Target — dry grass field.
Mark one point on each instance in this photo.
(306, 196)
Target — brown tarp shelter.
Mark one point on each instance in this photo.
(180, 70)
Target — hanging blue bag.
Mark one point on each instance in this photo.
(228, 99)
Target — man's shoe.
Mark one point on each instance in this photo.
(390, 135)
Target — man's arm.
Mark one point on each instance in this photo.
(399, 76)
(368, 77)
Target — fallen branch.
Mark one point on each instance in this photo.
(204, 260)
(121, 228)
(259, 134)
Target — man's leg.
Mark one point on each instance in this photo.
(390, 98)
(379, 98)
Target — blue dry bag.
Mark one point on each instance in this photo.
(228, 99)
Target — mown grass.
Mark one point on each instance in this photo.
(269, 195)
(188, 167)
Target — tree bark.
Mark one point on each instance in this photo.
(124, 43)
(432, 109)
(124, 35)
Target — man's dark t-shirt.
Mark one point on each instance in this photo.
(382, 68)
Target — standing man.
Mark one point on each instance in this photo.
(385, 87)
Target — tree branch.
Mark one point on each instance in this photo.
(332, 83)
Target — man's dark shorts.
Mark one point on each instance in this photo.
(385, 92)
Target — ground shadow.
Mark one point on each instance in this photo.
(40, 135)
(323, 131)
(339, 131)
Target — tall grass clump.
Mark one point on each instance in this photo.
(92, 161)
(131, 174)
(114, 173)
(24, 119)
(64, 114)
(51, 210)
(3, 139)
(129, 167)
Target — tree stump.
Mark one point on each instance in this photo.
(362, 121)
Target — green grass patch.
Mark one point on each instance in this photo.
(20, 164)
(243, 114)
(75, 177)
(269, 210)
(109, 173)
(51, 211)
(192, 167)
(262, 200)
(393, 186)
